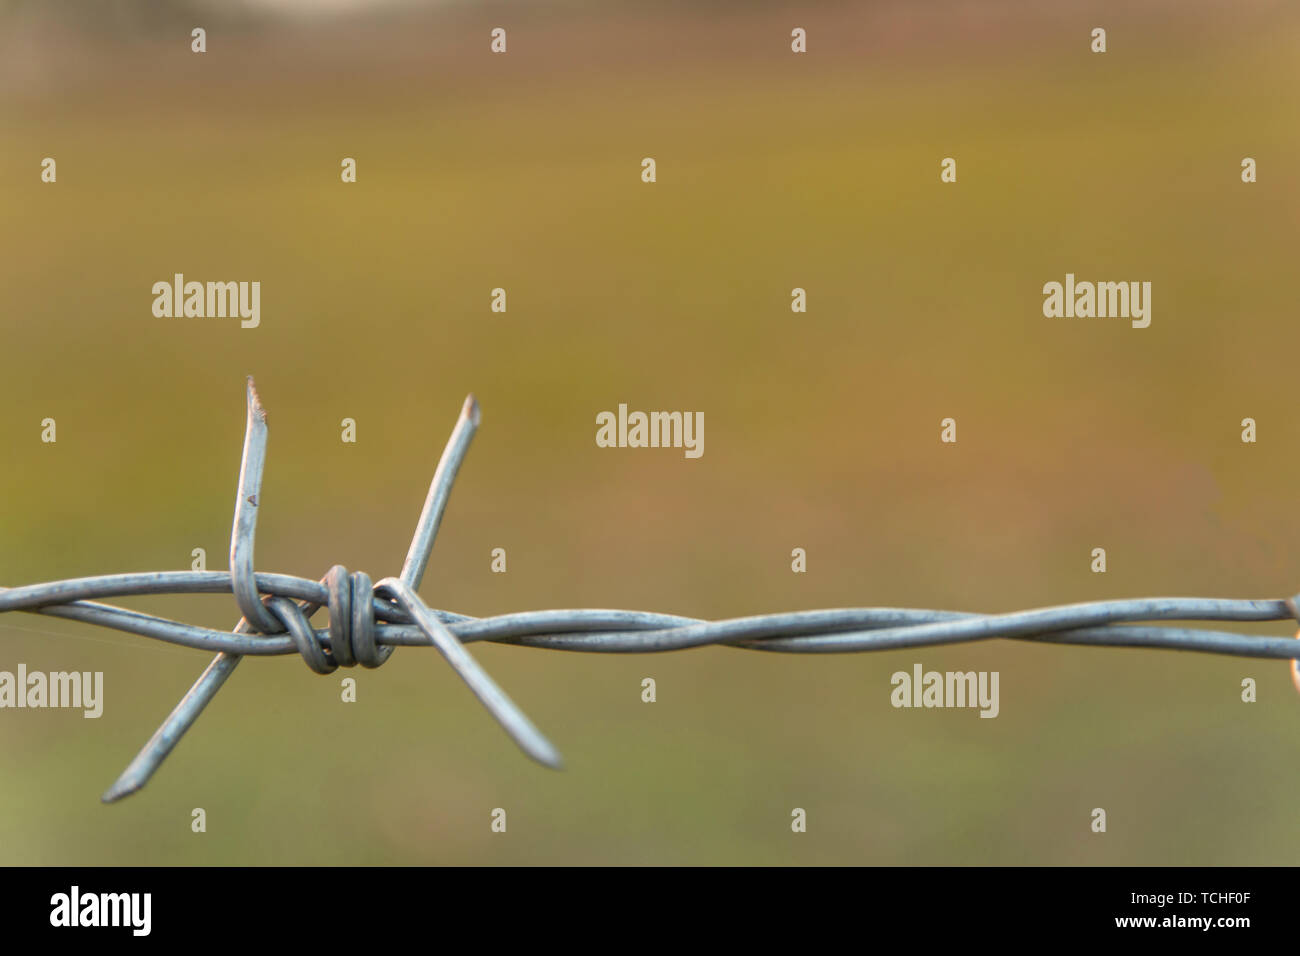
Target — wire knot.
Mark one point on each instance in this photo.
(367, 619)
(351, 624)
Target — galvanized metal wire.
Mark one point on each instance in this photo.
(367, 621)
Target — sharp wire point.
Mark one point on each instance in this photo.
(435, 502)
(367, 621)
(491, 696)
(255, 401)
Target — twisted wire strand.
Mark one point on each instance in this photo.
(609, 630)
(367, 621)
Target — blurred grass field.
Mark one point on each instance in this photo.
(774, 171)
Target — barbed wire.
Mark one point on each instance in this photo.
(368, 620)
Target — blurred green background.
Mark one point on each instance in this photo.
(774, 171)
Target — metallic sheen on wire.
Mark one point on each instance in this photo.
(367, 621)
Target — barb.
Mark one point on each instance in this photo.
(368, 621)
